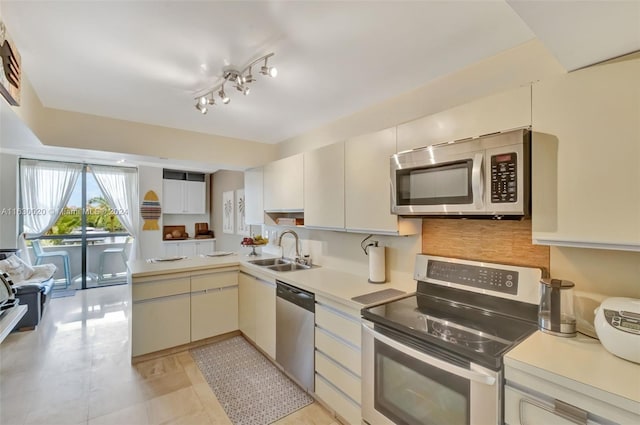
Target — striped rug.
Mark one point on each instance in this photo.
(249, 387)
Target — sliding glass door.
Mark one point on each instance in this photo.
(88, 241)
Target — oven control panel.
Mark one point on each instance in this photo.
(493, 279)
(504, 178)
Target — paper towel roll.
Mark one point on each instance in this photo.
(377, 272)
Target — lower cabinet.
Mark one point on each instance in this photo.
(257, 311)
(338, 358)
(177, 308)
(189, 248)
(214, 304)
(160, 313)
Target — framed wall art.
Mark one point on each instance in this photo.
(228, 214)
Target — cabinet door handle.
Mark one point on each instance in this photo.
(564, 410)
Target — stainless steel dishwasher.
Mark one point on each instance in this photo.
(295, 341)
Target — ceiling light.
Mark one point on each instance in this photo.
(223, 96)
(249, 77)
(240, 80)
(201, 108)
(267, 70)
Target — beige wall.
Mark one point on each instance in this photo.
(611, 273)
(222, 181)
(8, 200)
(56, 127)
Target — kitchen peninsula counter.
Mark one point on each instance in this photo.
(335, 284)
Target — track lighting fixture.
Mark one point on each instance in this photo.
(240, 79)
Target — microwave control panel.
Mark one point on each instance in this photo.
(504, 178)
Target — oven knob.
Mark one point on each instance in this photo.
(509, 283)
(453, 340)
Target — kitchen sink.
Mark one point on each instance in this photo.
(270, 262)
(288, 267)
(280, 264)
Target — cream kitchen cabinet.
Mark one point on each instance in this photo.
(586, 158)
(214, 303)
(338, 358)
(161, 315)
(324, 189)
(204, 247)
(184, 196)
(257, 308)
(247, 305)
(367, 186)
(189, 248)
(499, 112)
(179, 249)
(283, 184)
(253, 196)
(266, 316)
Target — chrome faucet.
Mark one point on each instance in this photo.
(295, 235)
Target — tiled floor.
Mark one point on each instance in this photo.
(75, 369)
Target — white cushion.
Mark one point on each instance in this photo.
(17, 269)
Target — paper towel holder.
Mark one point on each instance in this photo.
(371, 264)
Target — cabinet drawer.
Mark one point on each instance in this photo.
(344, 380)
(521, 408)
(213, 280)
(342, 353)
(160, 288)
(337, 401)
(339, 324)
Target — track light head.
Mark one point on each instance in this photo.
(203, 109)
(203, 100)
(223, 96)
(249, 77)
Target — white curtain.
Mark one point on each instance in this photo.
(45, 189)
(120, 188)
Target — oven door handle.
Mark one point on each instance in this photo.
(440, 364)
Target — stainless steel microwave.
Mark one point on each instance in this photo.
(485, 176)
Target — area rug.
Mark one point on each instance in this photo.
(249, 387)
(61, 293)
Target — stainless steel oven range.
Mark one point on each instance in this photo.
(435, 357)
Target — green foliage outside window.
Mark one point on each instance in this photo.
(99, 216)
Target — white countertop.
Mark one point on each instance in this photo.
(331, 283)
(189, 240)
(581, 364)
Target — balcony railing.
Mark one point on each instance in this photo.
(106, 257)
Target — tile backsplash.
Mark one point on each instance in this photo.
(506, 242)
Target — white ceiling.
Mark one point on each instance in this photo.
(143, 61)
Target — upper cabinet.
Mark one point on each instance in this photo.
(347, 187)
(367, 186)
(183, 192)
(503, 111)
(586, 158)
(324, 187)
(253, 200)
(283, 184)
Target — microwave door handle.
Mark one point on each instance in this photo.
(477, 183)
(425, 358)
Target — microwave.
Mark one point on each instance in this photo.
(487, 176)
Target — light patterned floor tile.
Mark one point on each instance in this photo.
(132, 415)
(75, 369)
